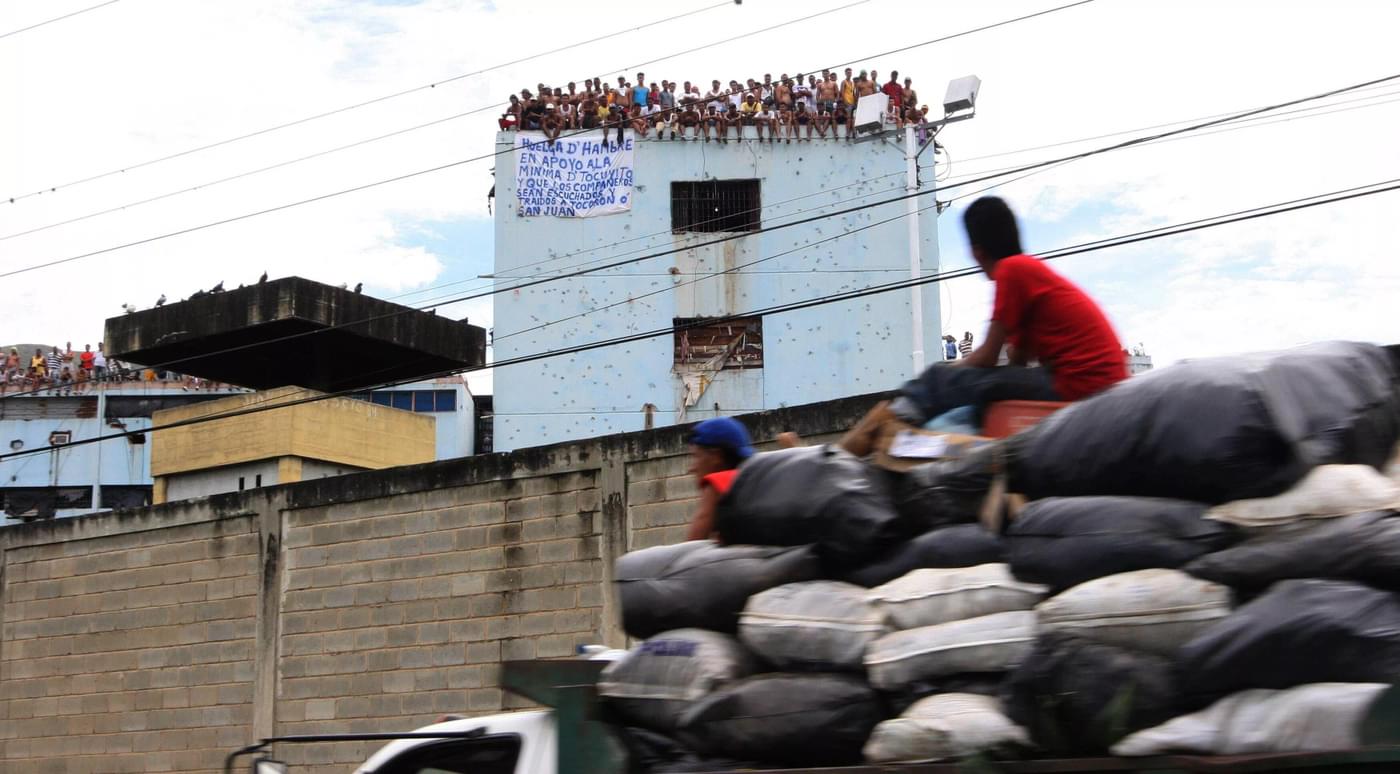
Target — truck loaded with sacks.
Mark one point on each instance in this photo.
(1199, 570)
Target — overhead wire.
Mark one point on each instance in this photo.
(1028, 169)
(511, 272)
(1355, 192)
(1083, 154)
(739, 267)
(377, 138)
(357, 105)
(47, 22)
(512, 149)
(1284, 117)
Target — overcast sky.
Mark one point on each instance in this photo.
(140, 79)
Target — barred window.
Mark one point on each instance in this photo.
(715, 205)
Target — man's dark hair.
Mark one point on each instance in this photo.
(991, 226)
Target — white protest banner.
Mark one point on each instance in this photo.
(574, 177)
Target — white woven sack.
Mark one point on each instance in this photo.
(946, 726)
(821, 624)
(659, 679)
(989, 643)
(1309, 718)
(1152, 610)
(1326, 491)
(929, 597)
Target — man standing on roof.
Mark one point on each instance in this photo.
(1040, 314)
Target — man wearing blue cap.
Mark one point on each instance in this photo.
(717, 447)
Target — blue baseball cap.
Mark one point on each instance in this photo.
(725, 433)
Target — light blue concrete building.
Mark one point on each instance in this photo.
(685, 193)
(66, 478)
(69, 479)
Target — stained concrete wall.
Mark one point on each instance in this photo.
(159, 639)
(338, 431)
(816, 354)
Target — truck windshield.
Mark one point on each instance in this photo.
(484, 755)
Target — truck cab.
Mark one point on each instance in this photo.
(511, 743)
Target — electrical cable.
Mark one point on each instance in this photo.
(669, 288)
(357, 105)
(1031, 168)
(1082, 154)
(947, 175)
(1238, 216)
(512, 149)
(1253, 123)
(509, 273)
(1122, 132)
(581, 269)
(58, 19)
(363, 142)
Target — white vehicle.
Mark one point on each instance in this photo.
(511, 743)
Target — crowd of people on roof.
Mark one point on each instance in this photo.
(783, 109)
(65, 371)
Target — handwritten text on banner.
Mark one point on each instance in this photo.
(574, 177)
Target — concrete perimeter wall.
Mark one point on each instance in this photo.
(160, 639)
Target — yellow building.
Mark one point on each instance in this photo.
(296, 442)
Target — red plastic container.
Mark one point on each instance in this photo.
(1008, 417)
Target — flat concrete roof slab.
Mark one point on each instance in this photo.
(240, 337)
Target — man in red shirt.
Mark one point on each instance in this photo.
(895, 92)
(1040, 314)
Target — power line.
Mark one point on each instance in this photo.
(1251, 123)
(322, 197)
(1355, 192)
(366, 141)
(355, 106)
(1122, 132)
(57, 19)
(444, 300)
(1026, 171)
(1284, 117)
(669, 288)
(489, 155)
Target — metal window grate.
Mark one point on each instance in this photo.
(738, 340)
(715, 205)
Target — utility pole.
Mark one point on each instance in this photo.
(911, 206)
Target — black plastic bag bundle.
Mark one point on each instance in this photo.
(963, 545)
(1078, 697)
(812, 494)
(946, 492)
(702, 585)
(1363, 547)
(1218, 429)
(1300, 631)
(792, 720)
(1064, 541)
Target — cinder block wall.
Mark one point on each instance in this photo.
(161, 639)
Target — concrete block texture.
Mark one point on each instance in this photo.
(159, 640)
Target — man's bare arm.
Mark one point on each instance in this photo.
(702, 525)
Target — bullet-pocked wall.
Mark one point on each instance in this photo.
(821, 353)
